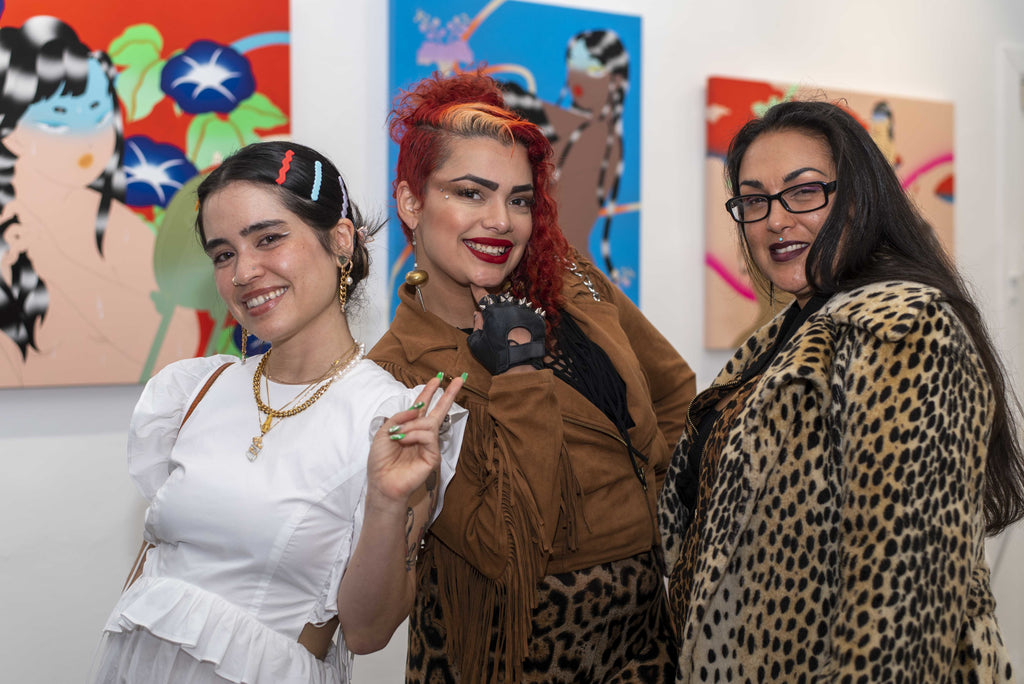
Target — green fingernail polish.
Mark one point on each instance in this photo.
(440, 375)
(393, 429)
(399, 436)
(464, 376)
(417, 405)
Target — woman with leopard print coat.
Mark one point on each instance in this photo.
(825, 512)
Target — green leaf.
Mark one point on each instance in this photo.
(211, 136)
(139, 90)
(140, 43)
(257, 112)
(137, 51)
(210, 139)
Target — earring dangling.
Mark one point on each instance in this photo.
(245, 337)
(771, 297)
(417, 276)
(344, 281)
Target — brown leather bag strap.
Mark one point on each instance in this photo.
(202, 392)
(146, 546)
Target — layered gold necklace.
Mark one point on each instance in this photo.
(317, 387)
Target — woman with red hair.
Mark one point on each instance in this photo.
(543, 565)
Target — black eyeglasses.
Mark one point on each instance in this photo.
(798, 199)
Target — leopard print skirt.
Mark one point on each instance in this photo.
(605, 624)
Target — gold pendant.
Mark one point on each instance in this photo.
(257, 442)
(254, 448)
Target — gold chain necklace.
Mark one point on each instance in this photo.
(353, 355)
(266, 425)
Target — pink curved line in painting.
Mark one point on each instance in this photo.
(731, 280)
(924, 168)
(480, 17)
(619, 209)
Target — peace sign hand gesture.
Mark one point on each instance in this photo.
(406, 448)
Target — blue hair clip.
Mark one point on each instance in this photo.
(315, 195)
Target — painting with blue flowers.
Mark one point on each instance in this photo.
(109, 118)
(576, 74)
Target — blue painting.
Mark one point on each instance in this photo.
(575, 73)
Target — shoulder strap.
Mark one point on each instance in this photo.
(202, 392)
(146, 546)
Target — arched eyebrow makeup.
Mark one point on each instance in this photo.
(787, 178)
(248, 230)
(491, 185)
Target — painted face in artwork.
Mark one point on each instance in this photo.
(68, 139)
(270, 267)
(779, 243)
(589, 79)
(474, 222)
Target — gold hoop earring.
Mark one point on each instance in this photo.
(417, 276)
(245, 337)
(344, 280)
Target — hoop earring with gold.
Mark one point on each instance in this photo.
(345, 280)
(417, 276)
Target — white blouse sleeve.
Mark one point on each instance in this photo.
(158, 416)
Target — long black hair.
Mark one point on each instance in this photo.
(42, 58)
(290, 170)
(874, 233)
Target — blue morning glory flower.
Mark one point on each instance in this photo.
(154, 171)
(208, 77)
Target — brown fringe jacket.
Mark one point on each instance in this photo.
(544, 483)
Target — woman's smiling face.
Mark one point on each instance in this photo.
(474, 220)
(779, 243)
(270, 267)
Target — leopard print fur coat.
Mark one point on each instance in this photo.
(845, 537)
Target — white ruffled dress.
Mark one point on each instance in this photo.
(246, 553)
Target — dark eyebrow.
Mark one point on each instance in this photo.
(490, 185)
(516, 189)
(785, 179)
(245, 232)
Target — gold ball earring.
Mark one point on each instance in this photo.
(417, 276)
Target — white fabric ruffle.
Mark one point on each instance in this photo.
(158, 618)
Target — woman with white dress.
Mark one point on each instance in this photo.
(288, 492)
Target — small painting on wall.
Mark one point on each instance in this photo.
(577, 77)
(915, 135)
(109, 117)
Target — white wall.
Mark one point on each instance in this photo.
(72, 520)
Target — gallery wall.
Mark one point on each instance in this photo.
(71, 518)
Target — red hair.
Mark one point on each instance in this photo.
(438, 110)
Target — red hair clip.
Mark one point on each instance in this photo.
(286, 164)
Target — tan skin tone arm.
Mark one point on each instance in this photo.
(379, 585)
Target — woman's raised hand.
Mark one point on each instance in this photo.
(406, 448)
(508, 335)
